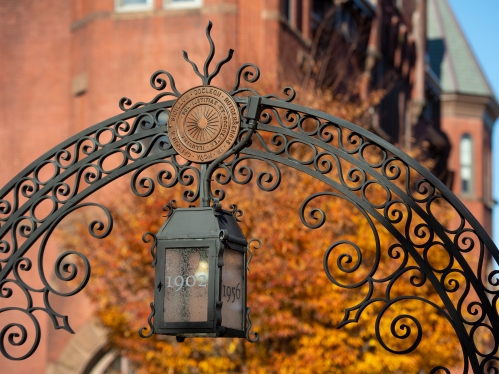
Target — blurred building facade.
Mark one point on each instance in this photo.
(65, 65)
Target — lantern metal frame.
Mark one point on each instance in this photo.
(217, 242)
(140, 137)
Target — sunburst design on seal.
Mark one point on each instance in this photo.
(203, 123)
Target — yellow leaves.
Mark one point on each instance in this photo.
(232, 346)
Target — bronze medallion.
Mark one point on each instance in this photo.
(203, 124)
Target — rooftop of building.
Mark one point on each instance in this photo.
(451, 57)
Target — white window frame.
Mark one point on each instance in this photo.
(465, 163)
(170, 4)
(133, 7)
(487, 171)
(106, 361)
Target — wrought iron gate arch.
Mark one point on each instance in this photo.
(140, 136)
(453, 314)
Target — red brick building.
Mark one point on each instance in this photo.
(65, 65)
(468, 110)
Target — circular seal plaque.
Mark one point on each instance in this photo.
(203, 124)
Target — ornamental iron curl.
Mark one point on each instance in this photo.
(274, 133)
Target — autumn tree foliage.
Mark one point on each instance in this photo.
(295, 308)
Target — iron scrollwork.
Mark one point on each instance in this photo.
(256, 244)
(65, 270)
(78, 167)
(154, 245)
(150, 322)
(255, 337)
(327, 163)
(334, 151)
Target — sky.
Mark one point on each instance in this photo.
(479, 21)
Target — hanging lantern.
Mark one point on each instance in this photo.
(200, 281)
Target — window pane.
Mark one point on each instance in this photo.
(287, 9)
(186, 285)
(466, 159)
(134, 2)
(182, 3)
(466, 173)
(233, 289)
(466, 155)
(465, 186)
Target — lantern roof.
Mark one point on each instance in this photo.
(202, 223)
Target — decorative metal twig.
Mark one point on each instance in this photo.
(153, 246)
(250, 253)
(158, 84)
(248, 328)
(236, 213)
(206, 78)
(149, 321)
(170, 207)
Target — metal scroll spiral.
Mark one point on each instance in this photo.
(158, 83)
(407, 194)
(251, 73)
(188, 173)
(170, 207)
(348, 264)
(174, 172)
(17, 334)
(78, 168)
(154, 245)
(147, 238)
(236, 213)
(256, 336)
(256, 244)
(59, 192)
(240, 170)
(150, 322)
(85, 157)
(425, 236)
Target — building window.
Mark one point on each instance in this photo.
(133, 5)
(111, 363)
(487, 175)
(466, 159)
(182, 4)
(287, 9)
(299, 15)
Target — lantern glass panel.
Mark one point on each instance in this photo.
(186, 285)
(233, 289)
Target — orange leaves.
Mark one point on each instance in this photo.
(295, 307)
